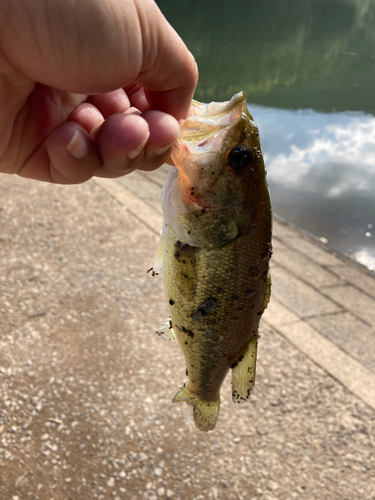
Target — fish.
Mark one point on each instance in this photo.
(214, 252)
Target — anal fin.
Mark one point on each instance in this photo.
(243, 374)
(167, 331)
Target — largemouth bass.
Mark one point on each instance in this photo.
(215, 251)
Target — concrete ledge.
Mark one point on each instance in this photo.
(344, 368)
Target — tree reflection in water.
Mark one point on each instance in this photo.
(306, 65)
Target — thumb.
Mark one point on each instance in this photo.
(169, 73)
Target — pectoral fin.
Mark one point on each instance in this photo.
(205, 413)
(166, 330)
(158, 262)
(243, 374)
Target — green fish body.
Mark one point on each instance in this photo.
(215, 251)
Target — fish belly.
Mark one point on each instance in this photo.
(216, 298)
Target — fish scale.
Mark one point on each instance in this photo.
(222, 336)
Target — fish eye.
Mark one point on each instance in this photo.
(239, 158)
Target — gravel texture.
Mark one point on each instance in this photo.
(86, 385)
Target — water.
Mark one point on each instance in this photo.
(308, 68)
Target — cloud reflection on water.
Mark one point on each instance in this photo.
(321, 170)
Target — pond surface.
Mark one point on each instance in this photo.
(308, 69)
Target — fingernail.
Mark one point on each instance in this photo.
(161, 151)
(77, 146)
(137, 151)
(132, 111)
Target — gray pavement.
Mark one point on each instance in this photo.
(86, 385)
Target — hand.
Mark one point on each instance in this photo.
(89, 88)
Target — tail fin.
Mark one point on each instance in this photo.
(205, 413)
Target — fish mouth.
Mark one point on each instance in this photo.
(216, 110)
(202, 132)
